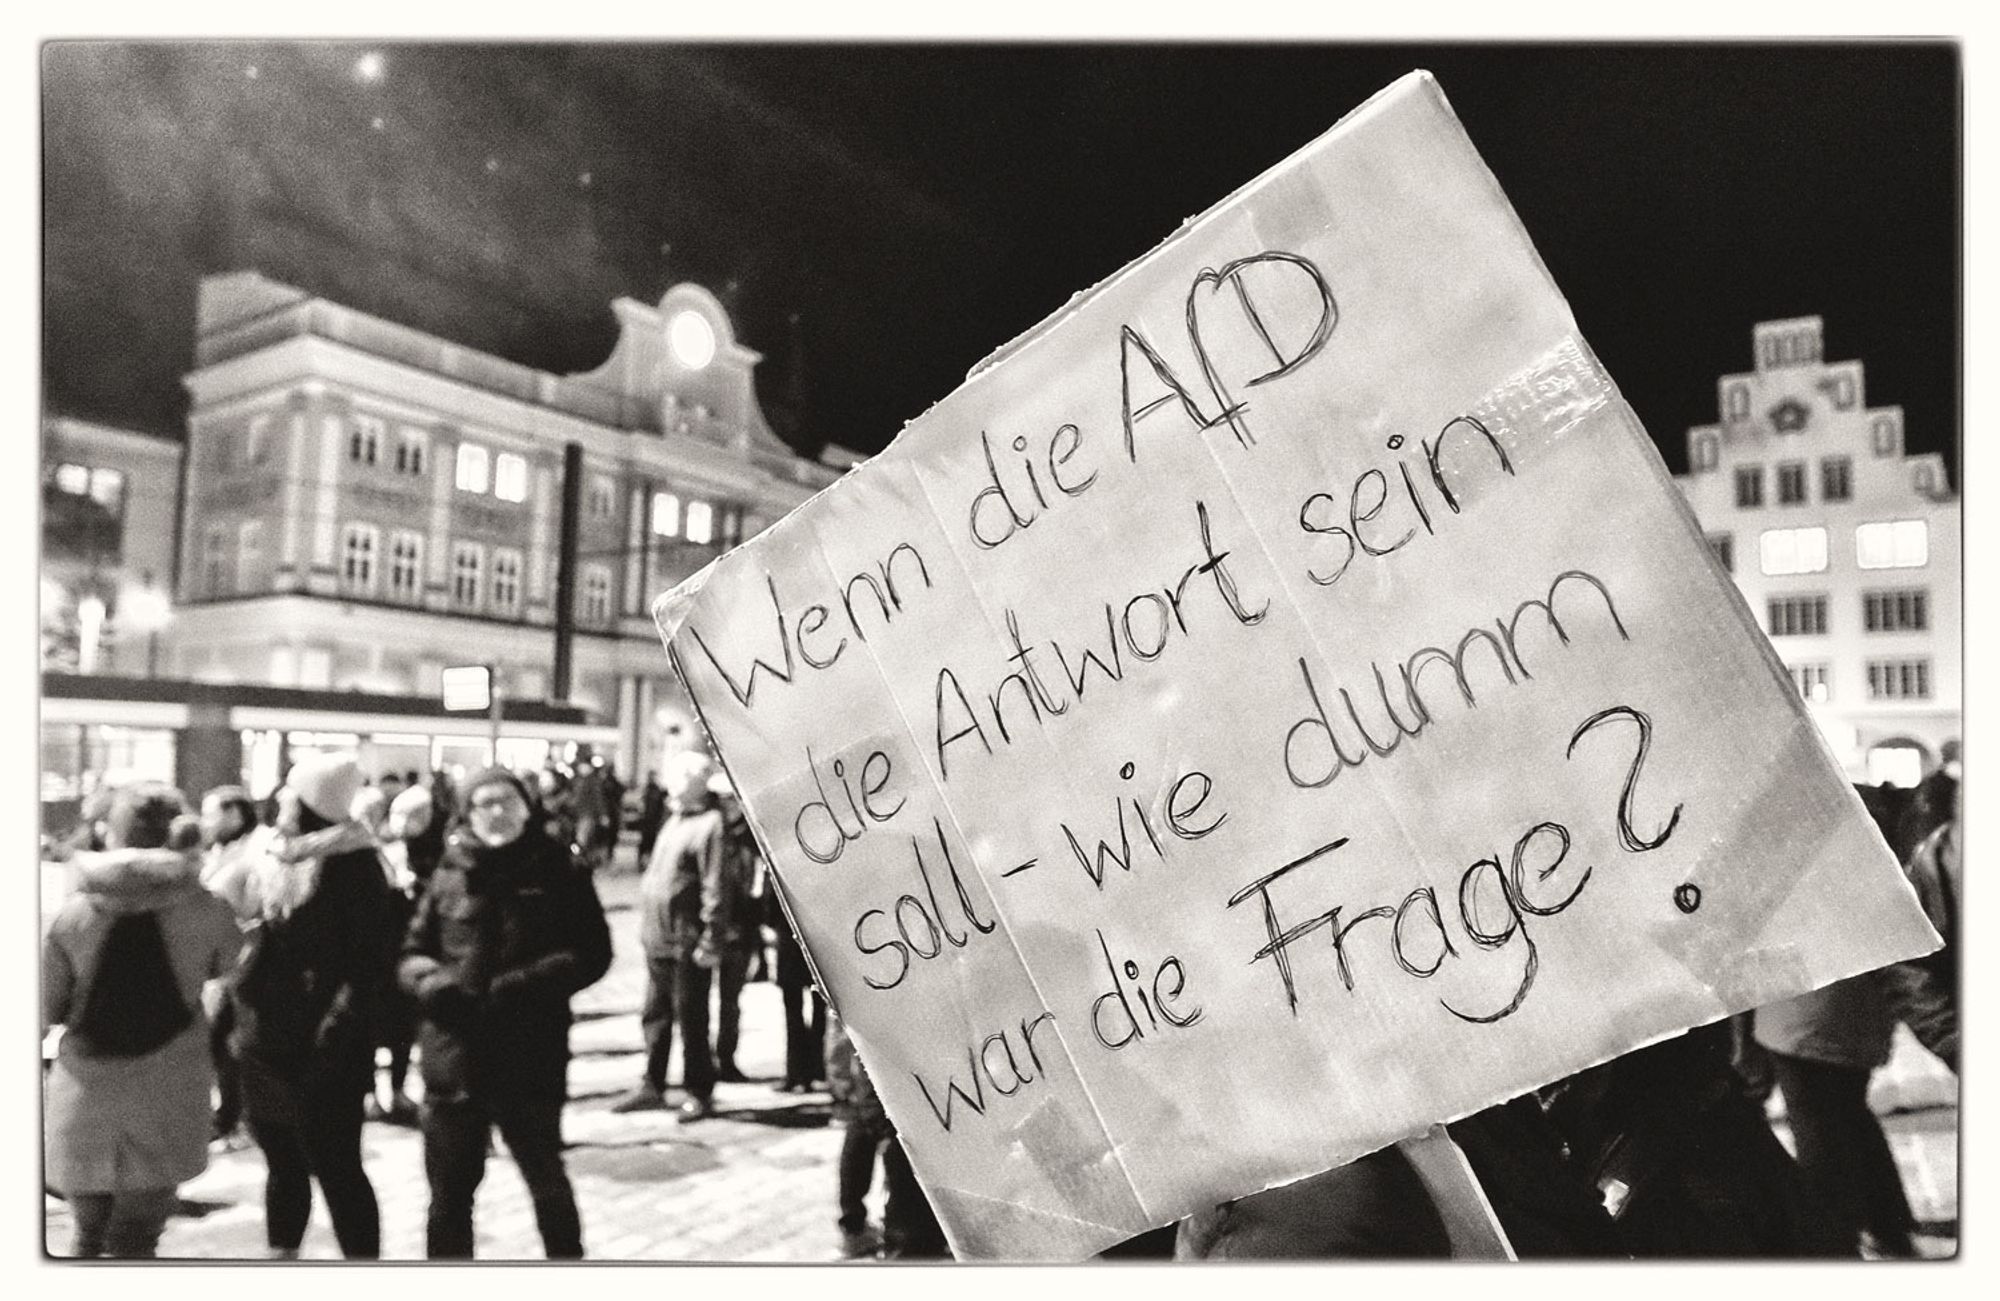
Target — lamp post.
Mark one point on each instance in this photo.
(146, 609)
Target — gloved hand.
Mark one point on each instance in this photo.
(444, 999)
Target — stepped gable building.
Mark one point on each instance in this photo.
(1846, 547)
(367, 504)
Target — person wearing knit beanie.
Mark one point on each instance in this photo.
(326, 784)
(486, 777)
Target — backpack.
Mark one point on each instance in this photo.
(134, 1004)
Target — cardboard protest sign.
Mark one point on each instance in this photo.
(1280, 703)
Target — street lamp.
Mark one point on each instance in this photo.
(146, 609)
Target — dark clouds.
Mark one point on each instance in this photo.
(915, 207)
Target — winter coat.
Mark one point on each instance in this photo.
(500, 941)
(696, 890)
(1687, 1165)
(310, 988)
(1847, 1023)
(122, 1124)
(1923, 992)
(1374, 1207)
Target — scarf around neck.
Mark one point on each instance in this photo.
(287, 873)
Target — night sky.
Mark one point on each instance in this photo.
(880, 218)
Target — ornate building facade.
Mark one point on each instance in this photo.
(1846, 548)
(367, 505)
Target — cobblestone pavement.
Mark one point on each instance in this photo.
(756, 1182)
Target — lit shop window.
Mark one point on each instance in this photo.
(1792, 551)
(472, 465)
(1893, 544)
(510, 477)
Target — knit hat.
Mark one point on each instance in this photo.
(487, 777)
(326, 784)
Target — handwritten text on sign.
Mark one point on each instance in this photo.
(1279, 704)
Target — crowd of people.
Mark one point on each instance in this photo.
(252, 967)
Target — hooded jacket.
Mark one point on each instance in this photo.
(501, 939)
(121, 1124)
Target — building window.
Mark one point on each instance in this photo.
(257, 438)
(1836, 478)
(83, 513)
(1902, 610)
(506, 581)
(357, 558)
(730, 516)
(700, 522)
(1925, 480)
(596, 594)
(1895, 544)
(666, 514)
(364, 440)
(1885, 436)
(1791, 483)
(1899, 679)
(1792, 551)
(215, 560)
(510, 477)
(249, 543)
(468, 568)
(1723, 547)
(1842, 390)
(471, 467)
(1738, 398)
(1797, 616)
(1814, 681)
(1749, 485)
(602, 498)
(1707, 451)
(411, 445)
(406, 565)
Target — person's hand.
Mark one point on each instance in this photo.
(444, 999)
(706, 955)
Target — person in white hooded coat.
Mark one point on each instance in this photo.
(123, 1129)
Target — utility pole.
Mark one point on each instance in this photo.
(572, 493)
